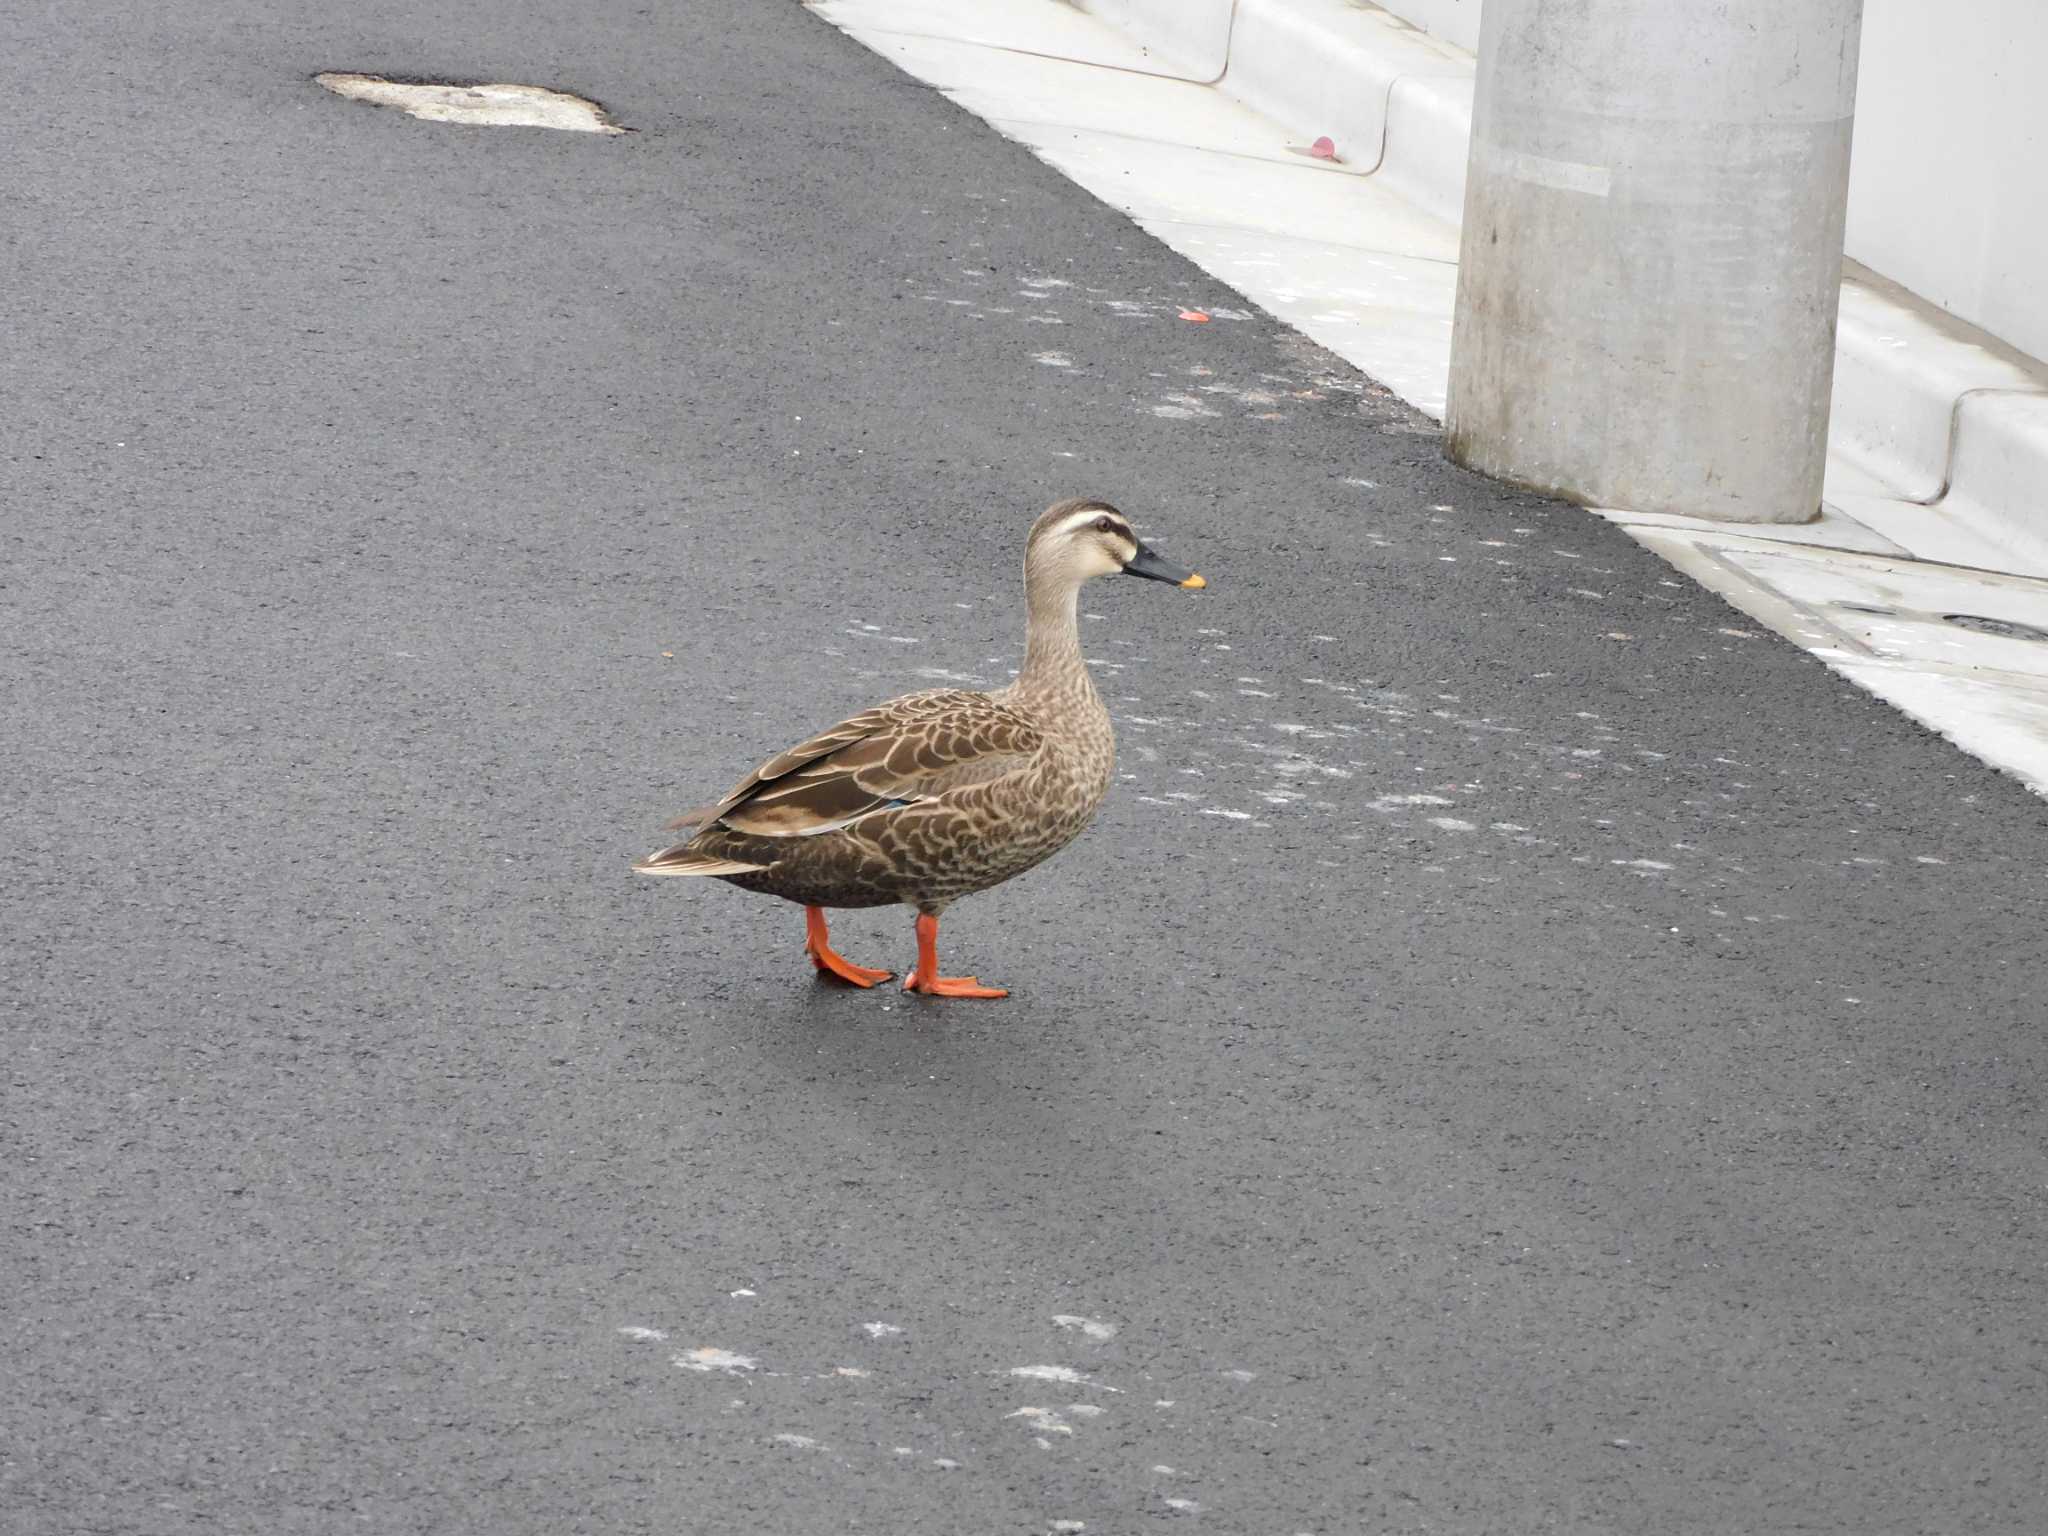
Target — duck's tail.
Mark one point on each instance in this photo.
(686, 860)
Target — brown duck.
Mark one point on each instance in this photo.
(936, 795)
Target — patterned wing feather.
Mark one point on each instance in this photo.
(906, 750)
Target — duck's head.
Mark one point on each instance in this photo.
(1077, 539)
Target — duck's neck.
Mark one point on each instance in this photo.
(1053, 668)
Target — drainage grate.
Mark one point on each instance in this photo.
(489, 106)
(2004, 629)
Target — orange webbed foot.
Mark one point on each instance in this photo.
(924, 976)
(830, 963)
(817, 944)
(951, 986)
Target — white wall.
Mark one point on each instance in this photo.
(1948, 190)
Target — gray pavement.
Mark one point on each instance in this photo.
(1520, 1050)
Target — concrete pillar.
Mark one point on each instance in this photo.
(1652, 251)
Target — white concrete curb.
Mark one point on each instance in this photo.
(1938, 416)
(1395, 101)
(1391, 98)
(1998, 474)
(1944, 417)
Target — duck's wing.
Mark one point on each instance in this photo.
(893, 755)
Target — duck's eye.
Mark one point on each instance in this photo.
(1103, 525)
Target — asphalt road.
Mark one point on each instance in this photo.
(1519, 1050)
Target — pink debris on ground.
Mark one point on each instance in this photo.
(1324, 148)
(1195, 315)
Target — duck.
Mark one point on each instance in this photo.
(939, 794)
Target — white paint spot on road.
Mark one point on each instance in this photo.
(1046, 1421)
(880, 1330)
(486, 106)
(1094, 1328)
(942, 675)
(1065, 1373)
(1452, 824)
(711, 1358)
(802, 1442)
(643, 1333)
(1401, 802)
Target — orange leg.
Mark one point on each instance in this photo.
(818, 945)
(926, 977)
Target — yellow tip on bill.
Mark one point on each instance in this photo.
(1194, 583)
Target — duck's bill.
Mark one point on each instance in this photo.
(1148, 565)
